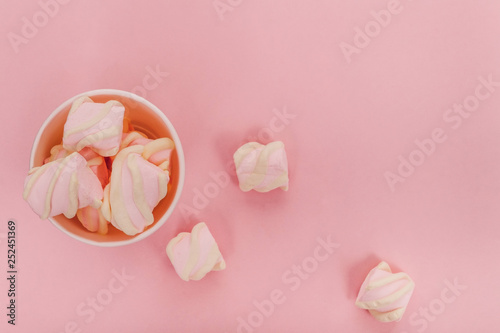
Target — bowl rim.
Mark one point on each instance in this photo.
(178, 148)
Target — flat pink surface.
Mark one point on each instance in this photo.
(271, 69)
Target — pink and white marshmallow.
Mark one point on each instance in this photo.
(93, 220)
(62, 187)
(95, 125)
(262, 167)
(135, 188)
(385, 294)
(194, 254)
(156, 151)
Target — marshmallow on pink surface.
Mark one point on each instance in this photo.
(194, 254)
(62, 187)
(135, 188)
(262, 167)
(95, 125)
(385, 294)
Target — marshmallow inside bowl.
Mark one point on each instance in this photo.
(145, 117)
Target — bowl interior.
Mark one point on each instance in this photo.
(143, 119)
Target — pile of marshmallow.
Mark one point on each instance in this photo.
(103, 171)
(106, 172)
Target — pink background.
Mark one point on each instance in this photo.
(352, 120)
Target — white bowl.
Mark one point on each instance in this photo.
(146, 118)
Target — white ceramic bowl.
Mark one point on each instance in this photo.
(146, 118)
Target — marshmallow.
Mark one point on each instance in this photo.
(56, 153)
(262, 167)
(95, 125)
(385, 294)
(135, 188)
(93, 220)
(62, 186)
(157, 151)
(195, 254)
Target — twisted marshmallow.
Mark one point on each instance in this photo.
(62, 186)
(135, 188)
(95, 162)
(157, 151)
(195, 254)
(385, 294)
(94, 125)
(90, 217)
(262, 168)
